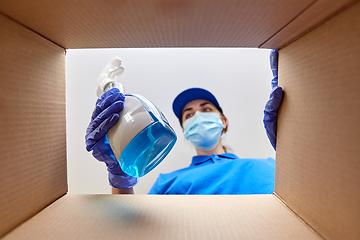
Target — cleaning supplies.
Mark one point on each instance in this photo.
(142, 137)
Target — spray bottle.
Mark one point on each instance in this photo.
(142, 137)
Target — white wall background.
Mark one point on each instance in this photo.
(239, 78)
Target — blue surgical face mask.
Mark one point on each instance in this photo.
(203, 130)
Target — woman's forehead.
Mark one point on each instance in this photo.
(195, 103)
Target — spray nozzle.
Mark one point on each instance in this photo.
(107, 76)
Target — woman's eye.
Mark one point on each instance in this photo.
(207, 109)
(188, 115)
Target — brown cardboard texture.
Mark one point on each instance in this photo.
(318, 153)
(155, 23)
(165, 217)
(32, 131)
(317, 185)
(316, 13)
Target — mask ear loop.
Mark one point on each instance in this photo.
(227, 149)
(227, 125)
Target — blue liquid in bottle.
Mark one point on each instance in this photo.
(150, 146)
(147, 149)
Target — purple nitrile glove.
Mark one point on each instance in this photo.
(273, 104)
(104, 117)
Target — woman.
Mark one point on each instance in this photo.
(213, 170)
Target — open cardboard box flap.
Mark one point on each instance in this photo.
(165, 217)
(317, 190)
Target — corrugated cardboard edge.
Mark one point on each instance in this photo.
(316, 14)
(302, 220)
(33, 170)
(32, 30)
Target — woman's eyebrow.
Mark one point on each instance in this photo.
(203, 104)
(188, 109)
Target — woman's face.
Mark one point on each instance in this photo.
(200, 105)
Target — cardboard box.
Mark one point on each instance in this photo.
(317, 189)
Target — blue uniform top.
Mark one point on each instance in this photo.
(219, 174)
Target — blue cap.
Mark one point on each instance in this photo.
(189, 95)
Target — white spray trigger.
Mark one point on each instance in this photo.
(112, 69)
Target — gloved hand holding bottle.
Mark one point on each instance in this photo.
(273, 104)
(104, 117)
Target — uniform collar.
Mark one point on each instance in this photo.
(196, 160)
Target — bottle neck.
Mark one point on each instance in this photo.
(114, 85)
